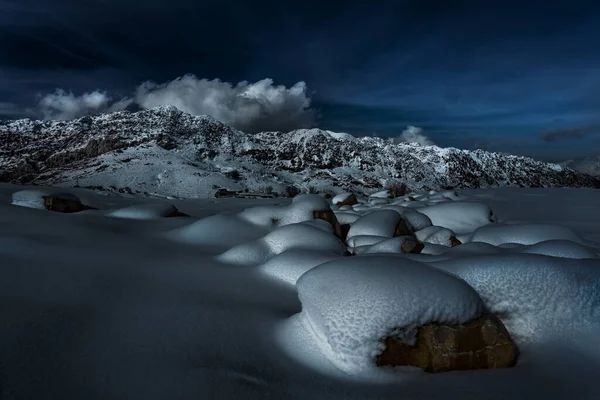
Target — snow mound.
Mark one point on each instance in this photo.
(345, 217)
(365, 240)
(523, 234)
(413, 218)
(218, 230)
(383, 194)
(560, 248)
(353, 303)
(435, 235)
(376, 223)
(144, 211)
(459, 216)
(537, 297)
(30, 198)
(393, 245)
(300, 210)
(290, 265)
(294, 236)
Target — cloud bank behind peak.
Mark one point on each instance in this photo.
(250, 107)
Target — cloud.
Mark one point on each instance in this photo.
(413, 134)
(247, 106)
(64, 105)
(566, 133)
(251, 107)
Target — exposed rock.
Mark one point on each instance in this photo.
(412, 246)
(345, 228)
(480, 344)
(348, 201)
(176, 213)
(225, 193)
(402, 229)
(330, 217)
(64, 203)
(454, 241)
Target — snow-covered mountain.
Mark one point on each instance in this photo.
(588, 165)
(165, 151)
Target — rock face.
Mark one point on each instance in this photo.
(330, 217)
(412, 246)
(64, 203)
(402, 228)
(483, 343)
(93, 150)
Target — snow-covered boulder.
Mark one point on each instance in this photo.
(218, 230)
(353, 303)
(30, 198)
(537, 297)
(345, 217)
(294, 236)
(397, 245)
(380, 223)
(459, 216)
(560, 248)
(438, 235)
(290, 265)
(345, 199)
(523, 234)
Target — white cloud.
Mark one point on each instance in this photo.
(413, 134)
(64, 105)
(247, 106)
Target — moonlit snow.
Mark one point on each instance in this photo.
(257, 299)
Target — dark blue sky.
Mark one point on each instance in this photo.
(516, 76)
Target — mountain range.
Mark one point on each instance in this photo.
(164, 151)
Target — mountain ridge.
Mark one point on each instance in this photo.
(190, 156)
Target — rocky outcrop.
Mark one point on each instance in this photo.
(483, 343)
(64, 203)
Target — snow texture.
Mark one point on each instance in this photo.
(376, 223)
(537, 297)
(104, 307)
(459, 216)
(353, 303)
(523, 234)
(293, 236)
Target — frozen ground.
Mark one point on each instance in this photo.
(99, 307)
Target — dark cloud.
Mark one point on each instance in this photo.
(568, 133)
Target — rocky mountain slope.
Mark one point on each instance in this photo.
(588, 165)
(165, 151)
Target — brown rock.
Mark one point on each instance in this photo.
(63, 202)
(483, 343)
(402, 228)
(412, 246)
(176, 213)
(454, 241)
(349, 201)
(330, 217)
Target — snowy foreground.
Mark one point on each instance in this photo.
(256, 299)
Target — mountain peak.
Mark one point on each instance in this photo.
(165, 150)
